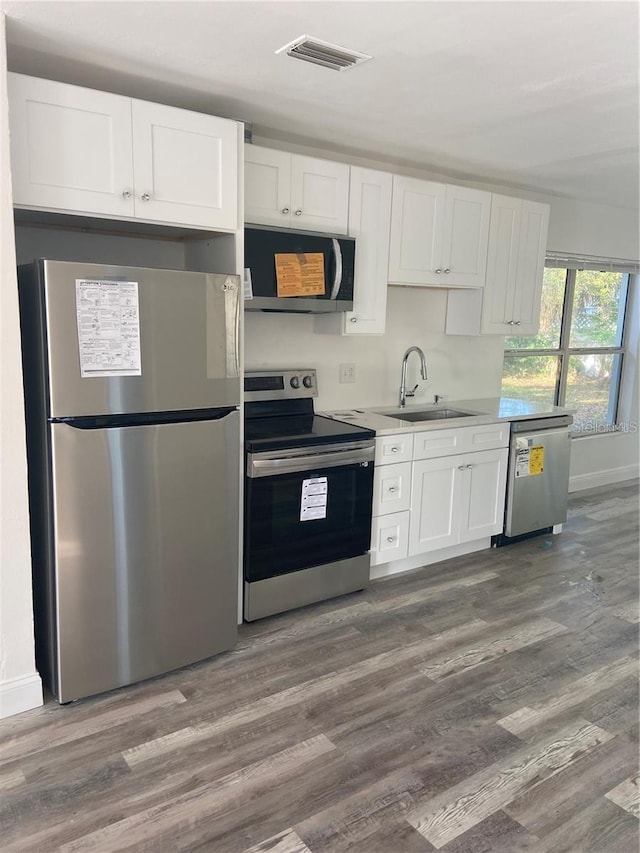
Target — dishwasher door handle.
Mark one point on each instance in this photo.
(540, 424)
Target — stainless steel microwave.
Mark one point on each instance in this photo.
(297, 272)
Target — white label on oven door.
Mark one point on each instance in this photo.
(313, 501)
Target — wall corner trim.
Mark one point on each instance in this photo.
(20, 694)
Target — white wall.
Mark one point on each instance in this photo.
(458, 367)
(20, 686)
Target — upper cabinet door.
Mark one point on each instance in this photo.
(515, 266)
(417, 230)
(70, 148)
(466, 236)
(502, 265)
(319, 195)
(534, 229)
(185, 166)
(369, 222)
(267, 186)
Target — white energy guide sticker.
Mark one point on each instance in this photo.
(108, 316)
(313, 501)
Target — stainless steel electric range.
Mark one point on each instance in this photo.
(307, 498)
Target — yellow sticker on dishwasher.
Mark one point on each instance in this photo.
(536, 459)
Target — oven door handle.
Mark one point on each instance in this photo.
(271, 463)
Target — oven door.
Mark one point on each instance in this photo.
(305, 507)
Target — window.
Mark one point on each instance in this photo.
(577, 357)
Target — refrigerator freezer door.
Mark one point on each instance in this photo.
(538, 480)
(145, 550)
(186, 329)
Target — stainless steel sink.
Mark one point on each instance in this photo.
(426, 414)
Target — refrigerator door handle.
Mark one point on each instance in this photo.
(232, 324)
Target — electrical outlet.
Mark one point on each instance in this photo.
(347, 373)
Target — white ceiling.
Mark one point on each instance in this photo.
(540, 95)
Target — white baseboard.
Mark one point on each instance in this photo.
(20, 694)
(603, 478)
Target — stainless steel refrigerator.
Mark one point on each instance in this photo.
(131, 391)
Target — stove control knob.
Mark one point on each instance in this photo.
(308, 381)
(295, 382)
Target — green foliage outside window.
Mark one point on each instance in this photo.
(595, 302)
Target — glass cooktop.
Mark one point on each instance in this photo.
(275, 433)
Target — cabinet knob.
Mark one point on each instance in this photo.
(447, 271)
(469, 466)
(510, 322)
(285, 210)
(391, 539)
(393, 489)
(460, 467)
(394, 449)
(126, 194)
(298, 213)
(145, 197)
(438, 271)
(354, 319)
(517, 323)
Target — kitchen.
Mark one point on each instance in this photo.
(459, 368)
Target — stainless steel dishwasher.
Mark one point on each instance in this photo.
(537, 477)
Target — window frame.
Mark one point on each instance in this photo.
(564, 351)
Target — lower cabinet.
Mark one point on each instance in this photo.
(448, 490)
(456, 499)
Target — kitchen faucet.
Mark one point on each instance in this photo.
(403, 380)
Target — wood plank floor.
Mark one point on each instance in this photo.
(489, 703)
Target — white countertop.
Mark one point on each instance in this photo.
(387, 419)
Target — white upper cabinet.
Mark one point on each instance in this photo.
(369, 220)
(439, 234)
(77, 150)
(293, 191)
(510, 302)
(515, 266)
(70, 147)
(185, 166)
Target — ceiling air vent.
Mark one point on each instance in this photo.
(323, 53)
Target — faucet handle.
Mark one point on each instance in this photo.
(412, 393)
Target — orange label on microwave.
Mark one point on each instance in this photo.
(300, 274)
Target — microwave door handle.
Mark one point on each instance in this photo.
(337, 278)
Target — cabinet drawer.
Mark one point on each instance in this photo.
(394, 448)
(445, 442)
(392, 488)
(438, 442)
(389, 537)
(486, 437)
